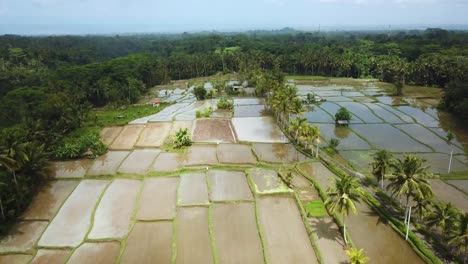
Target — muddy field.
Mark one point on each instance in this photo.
(258, 129)
(235, 154)
(127, 137)
(153, 135)
(229, 186)
(213, 130)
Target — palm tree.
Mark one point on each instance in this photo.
(381, 164)
(357, 256)
(342, 197)
(457, 235)
(409, 179)
(441, 215)
(423, 206)
(296, 127)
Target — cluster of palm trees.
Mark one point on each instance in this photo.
(408, 179)
(22, 168)
(284, 102)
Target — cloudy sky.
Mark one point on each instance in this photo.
(111, 16)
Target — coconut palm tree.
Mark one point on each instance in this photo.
(381, 164)
(357, 256)
(342, 197)
(409, 179)
(441, 215)
(457, 235)
(297, 126)
(423, 206)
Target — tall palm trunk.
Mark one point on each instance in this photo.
(344, 229)
(1, 209)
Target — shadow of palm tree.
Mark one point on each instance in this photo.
(324, 227)
(373, 213)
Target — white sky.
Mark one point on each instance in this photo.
(91, 16)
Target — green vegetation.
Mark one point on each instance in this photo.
(82, 143)
(343, 114)
(342, 196)
(223, 103)
(381, 164)
(182, 138)
(119, 116)
(316, 209)
(205, 113)
(333, 143)
(199, 92)
(357, 256)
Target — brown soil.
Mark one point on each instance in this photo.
(235, 233)
(229, 186)
(127, 138)
(193, 190)
(213, 130)
(284, 245)
(15, 259)
(236, 154)
(149, 242)
(198, 155)
(153, 134)
(158, 199)
(112, 218)
(139, 161)
(49, 199)
(22, 237)
(70, 169)
(108, 163)
(329, 240)
(72, 222)
(103, 252)
(50, 256)
(108, 134)
(168, 162)
(193, 238)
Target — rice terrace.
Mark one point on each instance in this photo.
(258, 147)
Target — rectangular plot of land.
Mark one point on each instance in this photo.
(286, 239)
(192, 190)
(139, 161)
(103, 252)
(401, 115)
(250, 110)
(168, 162)
(329, 240)
(108, 134)
(22, 236)
(50, 256)
(15, 259)
(213, 130)
(113, 215)
(385, 136)
(317, 115)
(198, 155)
(421, 117)
(361, 111)
(267, 181)
(258, 129)
(70, 169)
(193, 238)
(72, 222)
(236, 154)
(108, 163)
(49, 199)
(447, 193)
(153, 135)
(319, 172)
(348, 139)
(427, 137)
(158, 199)
(127, 138)
(149, 242)
(235, 232)
(176, 125)
(276, 153)
(229, 186)
(383, 113)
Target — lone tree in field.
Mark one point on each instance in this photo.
(342, 197)
(343, 115)
(199, 92)
(381, 164)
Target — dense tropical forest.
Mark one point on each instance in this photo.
(48, 85)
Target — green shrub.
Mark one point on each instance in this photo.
(86, 145)
(334, 142)
(205, 113)
(199, 92)
(343, 114)
(182, 138)
(223, 103)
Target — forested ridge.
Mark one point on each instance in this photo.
(49, 84)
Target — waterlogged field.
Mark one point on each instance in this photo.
(401, 124)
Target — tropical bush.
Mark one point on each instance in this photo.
(205, 113)
(334, 142)
(182, 138)
(343, 114)
(223, 103)
(87, 145)
(200, 92)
